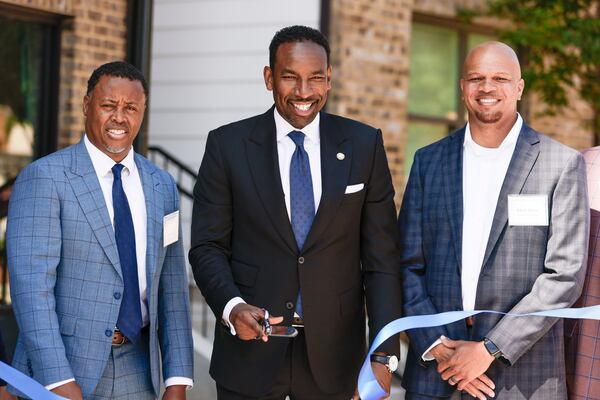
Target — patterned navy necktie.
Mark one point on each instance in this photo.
(130, 313)
(302, 199)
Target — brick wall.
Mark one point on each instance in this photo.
(370, 47)
(55, 6)
(94, 33)
(370, 42)
(447, 8)
(572, 125)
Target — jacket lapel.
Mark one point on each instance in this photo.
(154, 215)
(335, 174)
(522, 161)
(88, 193)
(261, 149)
(452, 160)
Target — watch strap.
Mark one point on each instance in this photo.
(391, 362)
(380, 359)
(491, 348)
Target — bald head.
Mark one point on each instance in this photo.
(497, 50)
(491, 87)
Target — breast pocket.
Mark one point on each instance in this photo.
(354, 193)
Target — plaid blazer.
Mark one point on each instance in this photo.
(582, 345)
(525, 268)
(65, 271)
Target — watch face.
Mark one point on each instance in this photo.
(491, 347)
(393, 363)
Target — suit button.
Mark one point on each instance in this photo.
(300, 260)
(108, 333)
(117, 295)
(289, 305)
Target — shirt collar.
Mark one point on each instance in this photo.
(103, 164)
(283, 128)
(509, 140)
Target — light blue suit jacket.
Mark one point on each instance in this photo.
(66, 277)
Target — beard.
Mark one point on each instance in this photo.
(488, 117)
(115, 150)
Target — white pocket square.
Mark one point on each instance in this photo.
(354, 188)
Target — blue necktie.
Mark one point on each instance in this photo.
(130, 313)
(302, 200)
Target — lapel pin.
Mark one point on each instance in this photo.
(340, 156)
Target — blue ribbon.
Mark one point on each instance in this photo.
(369, 388)
(25, 384)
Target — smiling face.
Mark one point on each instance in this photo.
(114, 111)
(492, 84)
(299, 81)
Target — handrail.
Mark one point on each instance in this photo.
(180, 170)
(170, 159)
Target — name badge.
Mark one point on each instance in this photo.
(527, 210)
(170, 228)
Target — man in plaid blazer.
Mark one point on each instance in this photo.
(582, 347)
(495, 216)
(67, 270)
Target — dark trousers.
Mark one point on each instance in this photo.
(295, 379)
(2, 357)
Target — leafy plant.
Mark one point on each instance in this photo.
(561, 43)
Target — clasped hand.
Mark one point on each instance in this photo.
(465, 363)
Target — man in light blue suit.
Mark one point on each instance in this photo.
(97, 273)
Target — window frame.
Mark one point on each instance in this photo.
(463, 30)
(46, 133)
(46, 138)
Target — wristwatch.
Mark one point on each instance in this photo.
(391, 362)
(492, 348)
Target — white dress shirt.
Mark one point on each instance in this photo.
(285, 150)
(132, 186)
(483, 172)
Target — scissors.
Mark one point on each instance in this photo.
(279, 331)
(267, 328)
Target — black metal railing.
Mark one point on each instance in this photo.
(185, 178)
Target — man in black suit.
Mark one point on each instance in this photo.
(294, 214)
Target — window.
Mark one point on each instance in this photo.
(28, 101)
(438, 49)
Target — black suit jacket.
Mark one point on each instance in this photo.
(243, 245)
